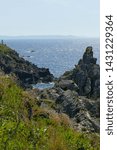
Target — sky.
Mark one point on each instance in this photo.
(49, 17)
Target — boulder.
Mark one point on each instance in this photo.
(67, 85)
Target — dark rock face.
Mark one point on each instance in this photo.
(86, 75)
(88, 56)
(26, 72)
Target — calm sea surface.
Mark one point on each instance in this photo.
(59, 55)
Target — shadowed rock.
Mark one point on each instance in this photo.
(26, 72)
(86, 75)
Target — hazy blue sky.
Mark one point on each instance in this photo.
(49, 17)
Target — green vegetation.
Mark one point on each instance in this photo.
(4, 49)
(26, 126)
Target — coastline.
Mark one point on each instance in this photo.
(70, 106)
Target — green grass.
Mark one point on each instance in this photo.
(4, 49)
(19, 132)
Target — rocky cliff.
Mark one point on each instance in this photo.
(77, 93)
(55, 118)
(26, 72)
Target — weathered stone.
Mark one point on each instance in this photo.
(86, 75)
(84, 111)
(88, 55)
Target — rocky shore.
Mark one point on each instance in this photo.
(76, 93)
(64, 117)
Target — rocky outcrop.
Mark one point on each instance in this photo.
(76, 93)
(86, 75)
(26, 72)
(84, 112)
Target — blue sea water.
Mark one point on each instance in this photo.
(59, 55)
(42, 86)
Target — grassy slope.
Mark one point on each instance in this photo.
(4, 49)
(18, 131)
(24, 127)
